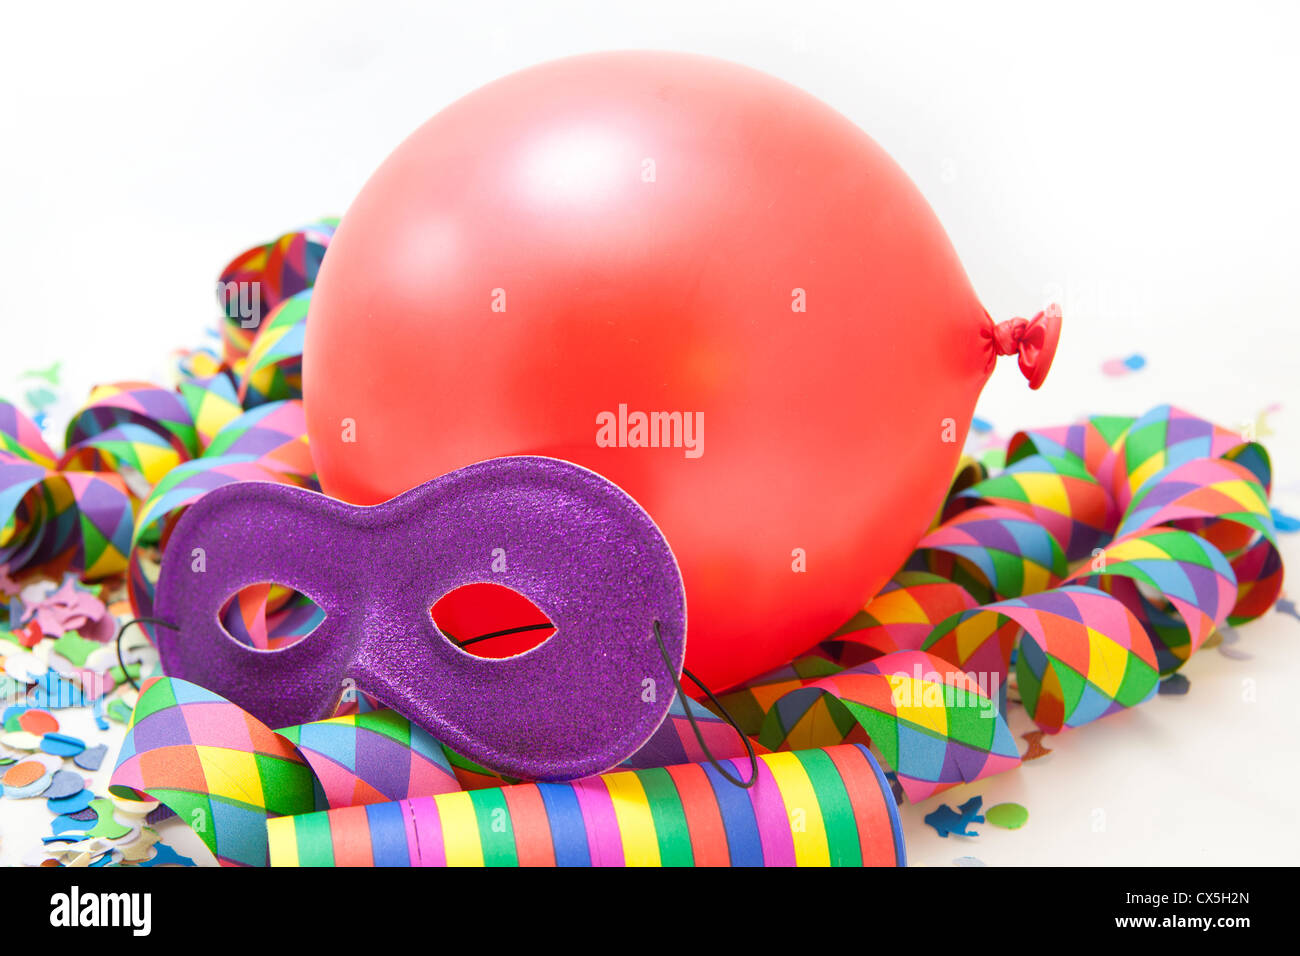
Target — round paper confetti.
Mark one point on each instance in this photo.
(28, 778)
(25, 668)
(65, 784)
(21, 740)
(38, 722)
(1009, 816)
(74, 803)
(24, 774)
(1175, 684)
(62, 745)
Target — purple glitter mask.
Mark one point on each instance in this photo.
(577, 546)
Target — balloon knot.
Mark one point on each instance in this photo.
(1034, 340)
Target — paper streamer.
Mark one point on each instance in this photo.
(277, 270)
(224, 772)
(215, 766)
(1100, 559)
(830, 807)
(76, 512)
(273, 370)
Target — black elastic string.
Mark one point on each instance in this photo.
(699, 735)
(508, 630)
(122, 630)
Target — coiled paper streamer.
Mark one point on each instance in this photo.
(224, 772)
(1100, 559)
(227, 420)
(829, 807)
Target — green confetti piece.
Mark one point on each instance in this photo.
(106, 826)
(132, 668)
(75, 648)
(117, 710)
(1008, 816)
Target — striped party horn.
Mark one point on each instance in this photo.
(827, 807)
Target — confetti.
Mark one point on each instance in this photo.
(25, 668)
(118, 710)
(1118, 367)
(946, 820)
(27, 778)
(1175, 685)
(61, 745)
(32, 720)
(1008, 816)
(1036, 749)
(65, 784)
(164, 855)
(97, 712)
(91, 758)
(73, 803)
(74, 648)
(21, 740)
(1285, 523)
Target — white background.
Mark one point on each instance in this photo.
(1135, 162)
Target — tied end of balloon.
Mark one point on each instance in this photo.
(1033, 340)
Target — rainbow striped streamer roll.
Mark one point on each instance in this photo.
(828, 807)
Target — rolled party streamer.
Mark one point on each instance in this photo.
(273, 370)
(828, 807)
(1099, 560)
(223, 771)
(259, 279)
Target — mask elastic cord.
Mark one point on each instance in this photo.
(122, 630)
(509, 630)
(699, 735)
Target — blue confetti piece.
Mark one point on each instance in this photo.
(1135, 362)
(980, 426)
(64, 784)
(97, 711)
(946, 820)
(1284, 522)
(1174, 685)
(67, 823)
(62, 745)
(92, 758)
(164, 855)
(71, 804)
(54, 693)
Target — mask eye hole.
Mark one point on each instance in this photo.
(491, 621)
(269, 616)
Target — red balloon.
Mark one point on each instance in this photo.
(688, 276)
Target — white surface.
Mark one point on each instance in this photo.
(1137, 165)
